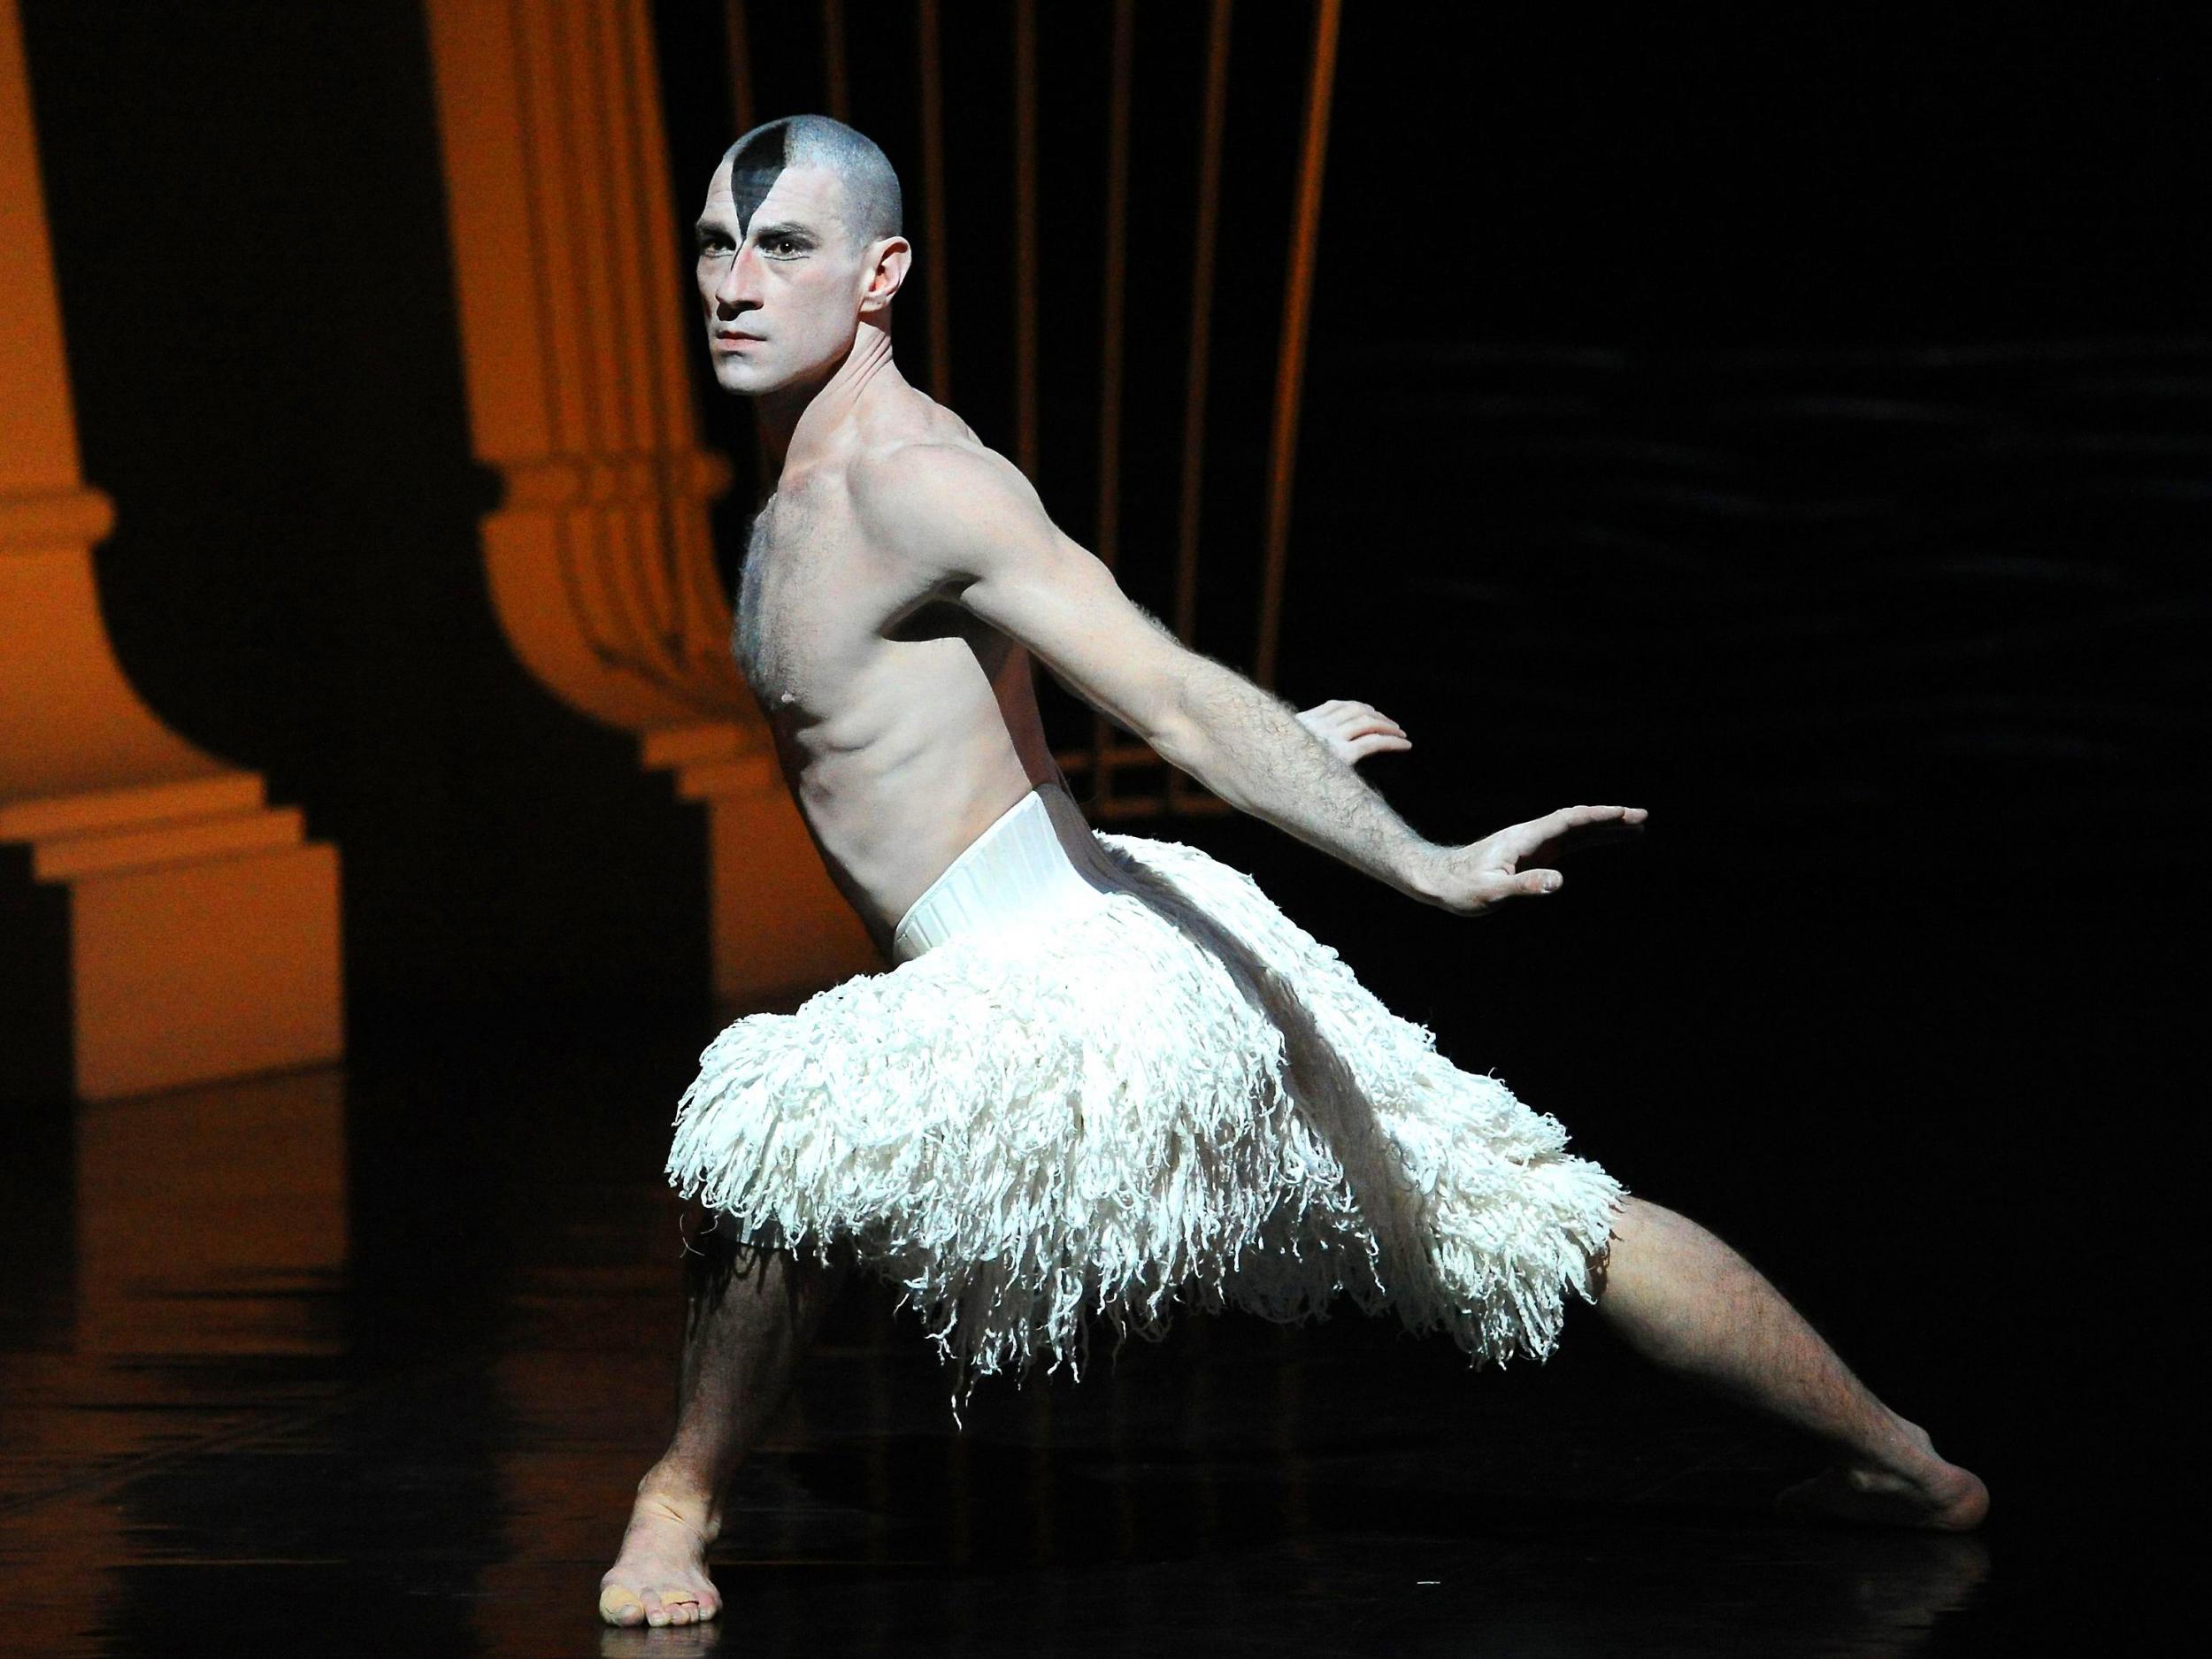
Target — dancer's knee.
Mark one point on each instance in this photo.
(1639, 1227)
(1634, 1216)
(719, 1263)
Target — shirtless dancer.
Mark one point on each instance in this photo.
(900, 580)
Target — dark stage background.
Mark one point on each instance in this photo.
(1797, 424)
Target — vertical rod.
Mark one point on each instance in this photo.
(1290, 363)
(1201, 341)
(934, 286)
(1201, 320)
(833, 58)
(1112, 322)
(741, 53)
(1026, 236)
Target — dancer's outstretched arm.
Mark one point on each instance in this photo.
(976, 531)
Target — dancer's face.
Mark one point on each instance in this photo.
(782, 283)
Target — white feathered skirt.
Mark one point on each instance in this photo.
(1107, 1076)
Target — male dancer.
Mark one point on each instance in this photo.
(900, 580)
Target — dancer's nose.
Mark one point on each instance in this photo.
(738, 290)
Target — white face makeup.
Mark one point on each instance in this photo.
(778, 279)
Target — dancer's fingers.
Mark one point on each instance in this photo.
(1378, 743)
(1364, 720)
(1575, 822)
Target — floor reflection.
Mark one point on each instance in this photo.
(206, 1244)
(213, 1221)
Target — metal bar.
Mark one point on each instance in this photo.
(833, 58)
(1202, 320)
(1201, 341)
(1189, 803)
(1026, 236)
(1290, 363)
(1139, 757)
(1119, 754)
(1113, 323)
(741, 53)
(933, 284)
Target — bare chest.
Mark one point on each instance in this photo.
(810, 606)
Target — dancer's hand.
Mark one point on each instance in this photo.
(1516, 863)
(1352, 731)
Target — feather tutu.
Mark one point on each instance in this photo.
(1170, 1093)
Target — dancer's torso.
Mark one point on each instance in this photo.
(905, 726)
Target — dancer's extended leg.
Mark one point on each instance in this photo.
(1684, 1300)
(753, 1314)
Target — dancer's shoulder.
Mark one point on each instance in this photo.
(945, 498)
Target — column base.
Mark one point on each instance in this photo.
(184, 950)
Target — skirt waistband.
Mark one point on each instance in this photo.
(1037, 857)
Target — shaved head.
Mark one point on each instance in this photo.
(800, 253)
(871, 205)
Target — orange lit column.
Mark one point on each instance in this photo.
(159, 924)
(601, 568)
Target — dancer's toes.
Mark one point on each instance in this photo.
(674, 1606)
(619, 1604)
(659, 1604)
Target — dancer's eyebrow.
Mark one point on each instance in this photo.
(783, 233)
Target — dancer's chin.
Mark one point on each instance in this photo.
(742, 378)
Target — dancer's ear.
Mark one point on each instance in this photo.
(885, 264)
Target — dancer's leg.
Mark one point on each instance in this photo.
(753, 1314)
(1682, 1299)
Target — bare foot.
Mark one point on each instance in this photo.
(660, 1578)
(1934, 1496)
